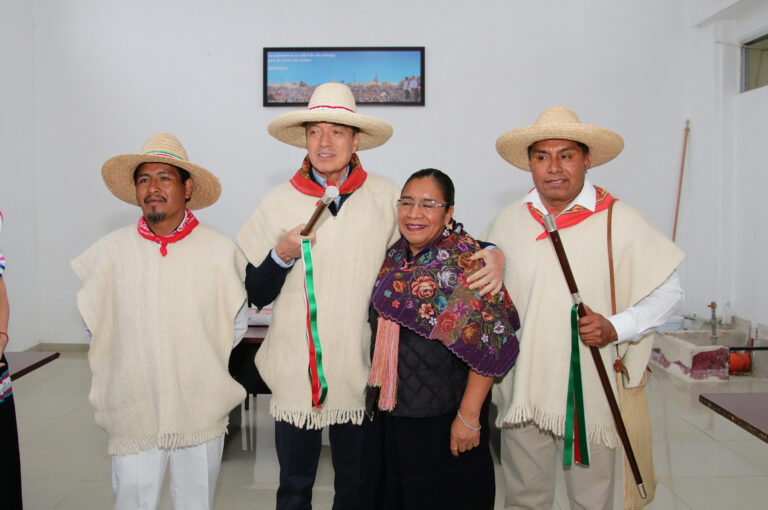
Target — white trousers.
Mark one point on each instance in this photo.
(137, 479)
(529, 458)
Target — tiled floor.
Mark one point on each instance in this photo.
(703, 461)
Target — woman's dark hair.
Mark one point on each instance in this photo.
(443, 182)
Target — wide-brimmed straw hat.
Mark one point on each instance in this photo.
(118, 171)
(559, 123)
(334, 103)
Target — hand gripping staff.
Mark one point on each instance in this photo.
(331, 193)
(554, 235)
(316, 373)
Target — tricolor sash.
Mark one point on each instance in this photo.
(316, 374)
(576, 448)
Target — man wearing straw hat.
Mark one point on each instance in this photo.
(351, 242)
(558, 151)
(164, 302)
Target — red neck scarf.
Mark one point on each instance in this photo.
(575, 215)
(304, 183)
(182, 231)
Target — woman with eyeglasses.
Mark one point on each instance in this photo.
(437, 346)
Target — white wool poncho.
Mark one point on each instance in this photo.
(162, 331)
(535, 390)
(347, 255)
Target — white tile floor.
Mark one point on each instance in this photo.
(703, 461)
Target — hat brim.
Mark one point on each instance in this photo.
(604, 144)
(289, 127)
(118, 172)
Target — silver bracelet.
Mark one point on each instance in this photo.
(458, 413)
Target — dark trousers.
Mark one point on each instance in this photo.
(10, 467)
(417, 470)
(298, 451)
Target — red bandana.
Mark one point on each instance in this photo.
(186, 228)
(304, 183)
(575, 215)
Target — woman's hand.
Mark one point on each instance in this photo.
(490, 278)
(464, 438)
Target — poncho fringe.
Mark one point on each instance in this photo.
(166, 441)
(315, 419)
(519, 415)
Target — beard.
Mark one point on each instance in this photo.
(154, 217)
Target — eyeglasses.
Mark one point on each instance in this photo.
(427, 203)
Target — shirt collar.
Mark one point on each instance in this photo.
(587, 198)
(321, 180)
(182, 222)
(177, 228)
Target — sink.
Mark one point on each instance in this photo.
(690, 354)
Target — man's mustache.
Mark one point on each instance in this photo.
(155, 197)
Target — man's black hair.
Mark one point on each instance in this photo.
(183, 174)
(584, 147)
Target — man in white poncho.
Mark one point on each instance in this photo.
(558, 151)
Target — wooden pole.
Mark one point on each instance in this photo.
(331, 192)
(680, 182)
(554, 236)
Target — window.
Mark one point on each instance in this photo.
(754, 64)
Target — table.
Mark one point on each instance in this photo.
(22, 363)
(747, 410)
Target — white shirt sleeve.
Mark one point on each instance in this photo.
(279, 261)
(650, 312)
(241, 323)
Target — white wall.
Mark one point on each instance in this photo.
(750, 178)
(721, 227)
(18, 200)
(108, 74)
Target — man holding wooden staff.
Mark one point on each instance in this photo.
(322, 304)
(541, 399)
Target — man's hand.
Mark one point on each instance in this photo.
(595, 330)
(289, 247)
(490, 278)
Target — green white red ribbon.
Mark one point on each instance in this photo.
(576, 448)
(316, 374)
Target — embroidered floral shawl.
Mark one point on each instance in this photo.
(429, 294)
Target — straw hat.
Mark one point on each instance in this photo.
(334, 103)
(559, 123)
(118, 171)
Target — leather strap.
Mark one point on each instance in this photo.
(610, 258)
(618, 365)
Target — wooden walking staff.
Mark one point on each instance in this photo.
(680, 183)
(331, 193)
(554, 235)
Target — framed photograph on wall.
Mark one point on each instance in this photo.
(382, 76)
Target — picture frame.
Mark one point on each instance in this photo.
(376, 75)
